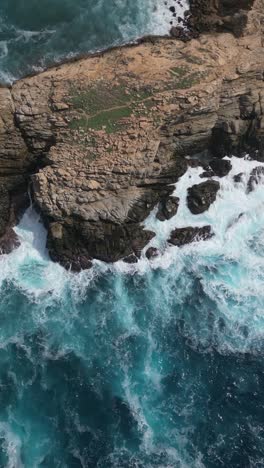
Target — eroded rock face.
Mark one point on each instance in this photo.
(106, 135)
(15, 166)
(187, 235)
(201, 196)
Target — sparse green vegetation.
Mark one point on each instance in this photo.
(109, 120)
(101, 97)
(193, 59)
(103, 107)
(179, 71)
(188, 81)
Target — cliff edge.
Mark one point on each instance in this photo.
(100, 140)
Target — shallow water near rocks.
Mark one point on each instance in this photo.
(35, 34)
(158, 364)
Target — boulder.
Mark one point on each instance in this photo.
(186, 235)
(152, 252)
(167, 208)
(201, 196)
(220, 167)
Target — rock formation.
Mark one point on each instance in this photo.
(201, 196)
(187, 235)
(100, 139)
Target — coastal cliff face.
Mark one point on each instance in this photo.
(99, 140)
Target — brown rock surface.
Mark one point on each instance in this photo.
(105, 135)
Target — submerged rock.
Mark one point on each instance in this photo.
(186, 235)
(201, 196)
(256, 177)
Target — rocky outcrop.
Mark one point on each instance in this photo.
(187, 235)
(104, 137)
(201, 196)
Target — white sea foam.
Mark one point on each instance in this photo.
(162, 17)
(229, 268)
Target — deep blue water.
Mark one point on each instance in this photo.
(36, 33)
(154, 365)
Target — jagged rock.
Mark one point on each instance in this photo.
(201, 196)
(256, 177)
(220, 167)
(152, 252)
(167, 208)
(186, 235)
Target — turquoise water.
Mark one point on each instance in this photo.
(158, 364)
(34, 34)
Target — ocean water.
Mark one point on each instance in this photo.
(158, 364)
(37, 33)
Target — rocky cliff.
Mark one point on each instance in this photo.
(99, 140)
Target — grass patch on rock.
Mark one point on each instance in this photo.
(110, 121)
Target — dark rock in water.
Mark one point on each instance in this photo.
(8, 242)
(66, 244)
(182, 236)
(221, 167)
(167, 208)
(238, 177)
(201, 196)
(207, 174)
(256, 177)
(152, 252)
(131, 259)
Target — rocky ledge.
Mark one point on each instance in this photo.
(99, 141)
